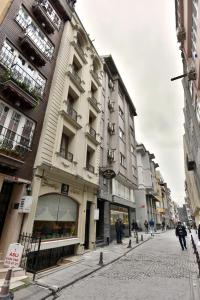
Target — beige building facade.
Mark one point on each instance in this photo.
(5, 4)
(66, 172)
(188, 29)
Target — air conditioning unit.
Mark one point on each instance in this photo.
(192, 75)
(181, 35)
(111, 155)
(111, 105)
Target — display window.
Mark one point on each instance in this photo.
(117, 212)
(56, 217)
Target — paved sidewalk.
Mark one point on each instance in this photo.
(61, 277)
(158, 269)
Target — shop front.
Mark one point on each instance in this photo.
(122, 212)
(56, 223)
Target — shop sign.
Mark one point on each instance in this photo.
(14, 255)
(25, 204)
(109, 174)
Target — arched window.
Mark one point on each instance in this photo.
(56, 217)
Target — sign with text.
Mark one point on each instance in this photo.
(14, 255)
(25, 204)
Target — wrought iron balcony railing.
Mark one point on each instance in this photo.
(76, 76)
(92, 132)
(71, 112)
(17, 74)
(90, 168)
(13, 144)
(67, 155)
(50, 12)
(35, 34)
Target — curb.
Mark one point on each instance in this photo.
(93, 271)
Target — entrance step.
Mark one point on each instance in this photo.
(15, 282)
(100, 243)
(15, 273)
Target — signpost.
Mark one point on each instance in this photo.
(14, 255)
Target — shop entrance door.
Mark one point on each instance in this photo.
(5, 194)
(87, 226)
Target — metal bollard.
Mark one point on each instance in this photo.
(137, 241)
(101, 259)
(142, 238)
(108, 241)
(5, 293)
(129, 244)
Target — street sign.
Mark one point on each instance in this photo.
(108, 174)
(14, 255)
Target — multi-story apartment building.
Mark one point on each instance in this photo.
(188, 30)
(117, 155)
(30, 35)
(146, 193)
(66, 170)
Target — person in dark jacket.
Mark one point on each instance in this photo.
(119, 227)
(181, 233)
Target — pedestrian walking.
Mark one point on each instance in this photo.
(151, 225)
(119, 227)
(163, 225)
(146, 226)
(181, 233)
(134, 226)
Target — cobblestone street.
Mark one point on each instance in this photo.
(158, 269)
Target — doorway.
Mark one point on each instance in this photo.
(87, 226)
(5, 195)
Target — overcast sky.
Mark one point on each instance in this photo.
(141, 37)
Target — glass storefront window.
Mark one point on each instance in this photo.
(119, 212)
(56, 217)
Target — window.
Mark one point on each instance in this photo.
(56, 217)
(122, 160)
(64, 148)
(15, 129)
(35, 33)
(121, 113)
(121, 134)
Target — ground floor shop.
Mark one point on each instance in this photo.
(62, 215)
(108, 214)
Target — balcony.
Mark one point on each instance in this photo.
(18, 85)
(90, 168)
(41, 15)
(95, 77)
(31, 51)
(92, 135)
(67, 155)
(65, 8)
(13, 147)
(93, 101)
(71, 116)
(80, 51)
(73, 74)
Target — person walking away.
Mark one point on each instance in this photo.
(151, 224)
(146, 225)
(119, 227)
(181, 233)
